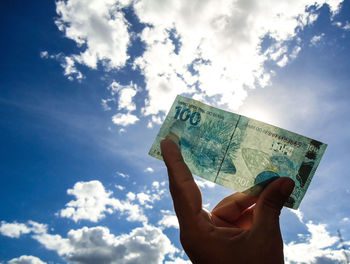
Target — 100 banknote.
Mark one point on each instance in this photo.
(239, 152)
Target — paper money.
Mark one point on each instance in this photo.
(238, 152)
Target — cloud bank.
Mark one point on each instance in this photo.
(318, 246)
(88, 245)
(147, 243)
(213, 50)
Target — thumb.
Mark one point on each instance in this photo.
(270, 203)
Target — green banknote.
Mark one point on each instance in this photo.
(238, 152)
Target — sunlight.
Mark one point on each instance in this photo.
(260, 114)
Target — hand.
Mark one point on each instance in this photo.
(237, 230)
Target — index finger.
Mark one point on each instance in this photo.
(184, 191)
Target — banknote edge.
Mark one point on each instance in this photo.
(312, 174)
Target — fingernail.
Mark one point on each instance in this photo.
(287, 187)
(174, 138)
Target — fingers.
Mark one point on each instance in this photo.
(184, 191)
(270, 203)
(245, 221)
(231, 208)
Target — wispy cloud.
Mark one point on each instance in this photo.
(315, 40)
(121, 174)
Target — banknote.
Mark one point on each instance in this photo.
(238, 152)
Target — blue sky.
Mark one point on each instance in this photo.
(85, 85)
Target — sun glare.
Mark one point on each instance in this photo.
(260, 114)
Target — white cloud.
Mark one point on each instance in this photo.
(156, 185)
(178, 261)
(93, 202)
(158, 189)
(149, 124)
(204, 183)
(123, 175)
(105, 103)
(54, 242)
(131, 196)
(124, 119)
(337, 23)
(168, 220)
(13, 230)
(98, 27)
(70, 69)
(315, 40)
(37, 228)
(44, 54)
(126, 95)
(125, 101)
(120, 187)
(225, 34)
(26, 260)
(155, 120)
(68, 63)
(206, 206)
(346, 219)
(295, 52)
(39, 231)
(149, 169)
(283, 62)
(158, 119)
(347, 25)
(210, 49)
(143, 198)
(149, 197)
(318, 246)
(299, 214)
(146, 244)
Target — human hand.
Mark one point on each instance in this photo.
(237, 230)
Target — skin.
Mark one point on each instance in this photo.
(241, 229)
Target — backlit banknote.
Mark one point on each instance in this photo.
(239, 152)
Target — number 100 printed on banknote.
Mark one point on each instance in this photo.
(238, 152)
